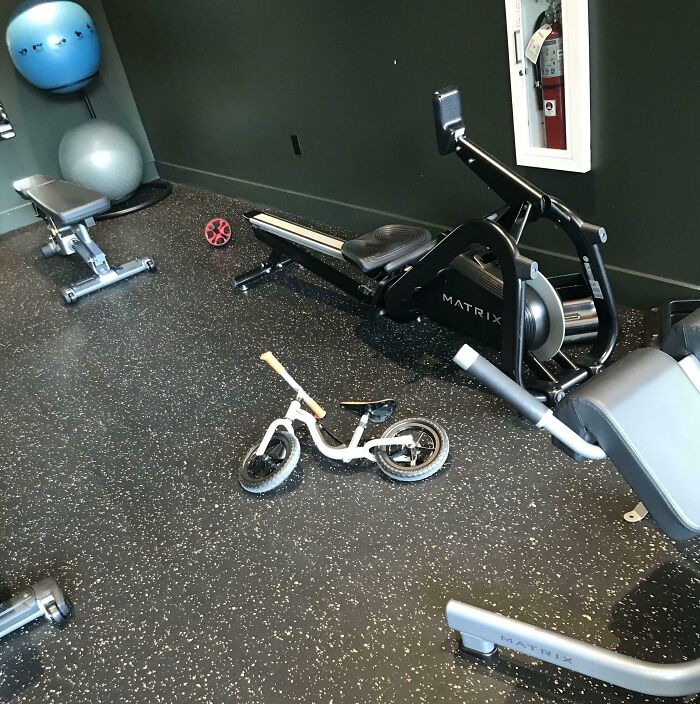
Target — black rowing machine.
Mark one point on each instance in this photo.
(472, 280)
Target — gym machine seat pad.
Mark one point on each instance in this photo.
(65, 202)
(645, 412)
(385, 245)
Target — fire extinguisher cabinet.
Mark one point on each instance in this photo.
(548, 50)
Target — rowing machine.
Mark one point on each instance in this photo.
(474, 279)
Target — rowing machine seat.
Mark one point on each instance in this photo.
(66, 203)
(378, 411)
(383, 246)
(644, 411)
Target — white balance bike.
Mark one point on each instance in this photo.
(408, 451)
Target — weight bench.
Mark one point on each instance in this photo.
(643, 413)
(69, 210)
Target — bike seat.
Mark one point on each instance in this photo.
(378, 411)
(386, 245)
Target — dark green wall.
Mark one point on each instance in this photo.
(222, 85)
(41, 119)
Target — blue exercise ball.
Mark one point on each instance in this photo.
(54, 45)
(103, 157)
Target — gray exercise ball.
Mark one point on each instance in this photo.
(103, 157)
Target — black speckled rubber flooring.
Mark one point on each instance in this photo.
(122, 421)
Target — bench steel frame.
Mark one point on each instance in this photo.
(44, 598)
(75, 239)
(70, 235)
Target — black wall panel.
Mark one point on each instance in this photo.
(222, 86)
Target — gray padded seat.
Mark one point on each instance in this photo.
(65, 202)
(24, 184)
(387, 244)
(684, 337)
(645, 413)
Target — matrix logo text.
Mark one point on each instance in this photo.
(472, 309)
(523, 647)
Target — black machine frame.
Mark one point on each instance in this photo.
(400, 292)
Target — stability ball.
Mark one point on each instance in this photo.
(103, 157)
(54, 45)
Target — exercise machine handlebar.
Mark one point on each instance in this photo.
(314, 407)
(524, 402)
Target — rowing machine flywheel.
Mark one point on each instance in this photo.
(218, 232)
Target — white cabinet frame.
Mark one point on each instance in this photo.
(577, 87)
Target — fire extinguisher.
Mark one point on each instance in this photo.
(550, 72)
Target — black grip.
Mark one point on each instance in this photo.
(511, 392)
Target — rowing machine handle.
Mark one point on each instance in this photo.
(270, 359)
(449, 125)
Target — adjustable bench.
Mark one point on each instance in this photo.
(69, 210)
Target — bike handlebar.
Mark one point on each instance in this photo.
(314, 407)
(270, 359)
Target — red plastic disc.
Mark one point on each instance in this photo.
(218, 232)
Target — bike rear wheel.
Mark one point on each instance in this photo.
(406, 464)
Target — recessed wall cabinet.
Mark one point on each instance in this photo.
(548, 48)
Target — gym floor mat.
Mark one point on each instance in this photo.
(123, 420)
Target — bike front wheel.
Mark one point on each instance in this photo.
(261, 473)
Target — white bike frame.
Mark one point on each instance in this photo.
(345, 453)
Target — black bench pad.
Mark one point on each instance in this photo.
(385, 244)
(65, 202)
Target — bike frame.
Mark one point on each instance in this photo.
(345, 453)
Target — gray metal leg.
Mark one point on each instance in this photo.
(482, 632)
(94, 283)
(45, 598)
(80, 242)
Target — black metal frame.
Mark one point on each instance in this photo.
(399, 294)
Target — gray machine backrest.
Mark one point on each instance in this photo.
(645, 413)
